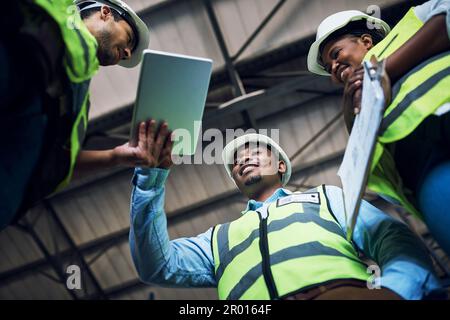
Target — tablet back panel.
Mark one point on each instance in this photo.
(173, 88)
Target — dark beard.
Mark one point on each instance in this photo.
(105, 54)
(253, 180)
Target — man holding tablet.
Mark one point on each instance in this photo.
(284, 246)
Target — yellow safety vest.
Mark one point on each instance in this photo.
(81, 63)
(69, 118)
(417, 95)
(283, 248)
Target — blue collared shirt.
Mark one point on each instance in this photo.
(188, 262)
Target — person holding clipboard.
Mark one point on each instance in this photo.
(411, 164)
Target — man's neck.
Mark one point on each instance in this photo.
(264, 194)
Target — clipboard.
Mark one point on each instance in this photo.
(356, 164)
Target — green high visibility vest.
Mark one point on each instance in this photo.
(80, 64)
(417, 95)
(285, 247)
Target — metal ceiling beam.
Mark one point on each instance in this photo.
(255, 33)
(324, 129)
(51, 260)
(236, 82)
(256, 98)
(75, 251)
(238, 88)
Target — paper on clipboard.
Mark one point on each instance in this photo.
(358, 155)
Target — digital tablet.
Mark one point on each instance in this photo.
(173, 88)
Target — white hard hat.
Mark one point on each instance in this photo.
(254, 138)
(330, 25)
(140, 29)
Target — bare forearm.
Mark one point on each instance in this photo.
(94, 160)
(125, 155)
(429, 41)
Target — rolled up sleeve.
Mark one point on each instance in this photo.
(432, 8)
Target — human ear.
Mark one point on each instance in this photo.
(282, 167)
(367, 41)
(105, 13)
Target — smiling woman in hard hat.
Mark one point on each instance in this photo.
(49, 51)
(412, 155)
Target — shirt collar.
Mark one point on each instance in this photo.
(252, 205)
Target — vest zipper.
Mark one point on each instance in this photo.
(264, 248)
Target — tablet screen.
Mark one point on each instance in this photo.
(172, 88)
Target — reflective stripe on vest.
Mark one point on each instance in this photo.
(417, 95)
(297, 246)
(81, 47)
(81, 63)
(81, 97)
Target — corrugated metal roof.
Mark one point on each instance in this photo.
(16, 249)
(183, 27)
(100, 210)
(34, 286)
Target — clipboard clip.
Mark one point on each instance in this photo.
(375, 68)
(378, 77)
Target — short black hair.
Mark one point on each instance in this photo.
(354, 28)
(89, 12)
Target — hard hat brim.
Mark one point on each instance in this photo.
(230, 149)
(144, 40)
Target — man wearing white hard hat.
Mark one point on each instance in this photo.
(411, 166)
(49, 52)
(120, 33)
(285, 245)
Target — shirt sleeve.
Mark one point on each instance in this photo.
(431, 8)
(184, 262)
(404, 262)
